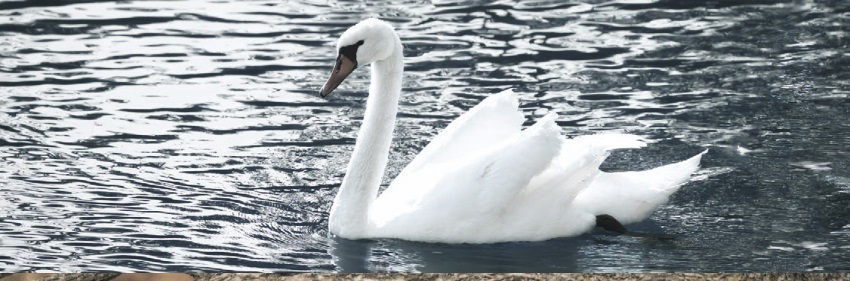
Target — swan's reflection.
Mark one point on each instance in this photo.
(549, 256)
(351, 256)
(557, 255)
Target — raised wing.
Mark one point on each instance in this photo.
(492, 121)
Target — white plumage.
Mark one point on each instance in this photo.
(482, 179)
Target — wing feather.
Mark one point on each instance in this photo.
(493, 120)
(632, 196)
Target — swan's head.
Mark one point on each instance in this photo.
(369, 41)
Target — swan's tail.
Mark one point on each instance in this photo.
(632, 196)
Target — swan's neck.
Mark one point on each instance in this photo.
(349, 213)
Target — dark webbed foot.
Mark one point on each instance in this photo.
(609, 223)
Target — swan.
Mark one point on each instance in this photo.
(482, 179)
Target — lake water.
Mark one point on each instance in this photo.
(189, 135)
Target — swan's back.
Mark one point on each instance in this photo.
(484, 180)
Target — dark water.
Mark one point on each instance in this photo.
(188, 135)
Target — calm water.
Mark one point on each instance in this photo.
(189, 135)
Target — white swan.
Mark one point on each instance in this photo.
(482, 179)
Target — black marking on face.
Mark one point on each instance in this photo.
(350, 51)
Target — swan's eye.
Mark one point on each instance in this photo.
(359, 43)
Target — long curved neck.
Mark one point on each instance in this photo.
(349, 213)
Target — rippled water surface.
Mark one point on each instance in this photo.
(189, 135)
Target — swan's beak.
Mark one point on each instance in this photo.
(343, 67)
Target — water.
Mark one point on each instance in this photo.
(189, 135)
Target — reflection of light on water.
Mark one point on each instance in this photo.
(814, 246)
(814, 166)
(780, 248)
(807, 245)
(710, 172)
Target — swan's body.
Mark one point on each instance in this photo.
(482, 179)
